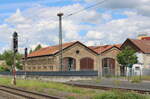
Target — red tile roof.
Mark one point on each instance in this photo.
(50, 50)
(101, 49)
(143, 45)
(145, 38)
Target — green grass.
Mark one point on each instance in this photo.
(71, 97)
(136, 79)
(116, 94)
(145, 78)
(40, 85)
(72, 91)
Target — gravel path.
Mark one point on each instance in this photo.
(116, 84)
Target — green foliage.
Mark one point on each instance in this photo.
(38, 47)
(1, 68)
(30, 51)
(116, 94)
(8, 57)
(1, 57)
(127, 56)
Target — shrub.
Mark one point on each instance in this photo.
(1, 68)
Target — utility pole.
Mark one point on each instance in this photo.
(15, 50)
(25, 59)
(60, 39)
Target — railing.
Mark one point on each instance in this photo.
(54, 73)
(108, 72)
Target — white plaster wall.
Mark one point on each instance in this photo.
(146, 61)
(140, 57)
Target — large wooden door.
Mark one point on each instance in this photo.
(86, 64)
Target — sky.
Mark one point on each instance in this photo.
(36, 21)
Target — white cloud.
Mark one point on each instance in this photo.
(18, 18)
(117, 31)
(94, 35)
(40, 24)
(142, 6)
(90, 43)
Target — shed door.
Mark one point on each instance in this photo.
(86, 64)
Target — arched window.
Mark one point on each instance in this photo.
(108, 66)
(69, 64)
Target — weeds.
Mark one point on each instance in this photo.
(117, 94)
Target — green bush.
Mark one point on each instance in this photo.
(132, 96)
(2, 69)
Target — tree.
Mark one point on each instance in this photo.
(30, 51)
(1, 57)
(38, 47)
(127, 57)
(8, 57)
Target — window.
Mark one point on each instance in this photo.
(137, 68)
(77, 51)
(45, 67)
(50, 67)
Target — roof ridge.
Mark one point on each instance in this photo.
(50, 49)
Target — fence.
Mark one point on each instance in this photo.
(106, 71)
(54, 73)
(143, 72)
(146, 72)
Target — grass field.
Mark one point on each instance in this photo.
(71, 92)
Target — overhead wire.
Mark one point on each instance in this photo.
(88, 7)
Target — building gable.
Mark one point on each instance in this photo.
(111, 52)
(78, 46)
(130, 43)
